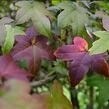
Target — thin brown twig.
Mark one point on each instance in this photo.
(43, 81)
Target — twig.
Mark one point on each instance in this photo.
(43, 81)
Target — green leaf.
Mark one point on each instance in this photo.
(59, 100)
(3, 22)
(101, 45)
(23, 64)
(103, 85)
(37, 12)
(72, 15)
(9, 41)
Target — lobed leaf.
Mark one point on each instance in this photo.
(72, 15)
(102, 44)
(80, 61)
(31, 48)
(37, 12)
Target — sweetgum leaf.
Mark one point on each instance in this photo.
(3, 22)
(31, 48)
(80, 61)
(72, 15)
(37, 12)
(103, 85)
(102, 44)
(10, 69)
(10, 37)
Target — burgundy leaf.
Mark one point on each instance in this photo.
(100, 65)
(10, 69)
(32, 48)
(80, 60)
(76, 72)
(78, 68)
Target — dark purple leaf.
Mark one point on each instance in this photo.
(100, 65)
(80, 60)
(32, 48)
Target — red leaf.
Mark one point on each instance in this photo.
(81, 43)
(80, 60)
(100, 65)
(9, 69)
(32, 48)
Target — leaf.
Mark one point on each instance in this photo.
(59, 100)
(102, 83)
(31, 48)
(16, 96)
(79, 68)
(100, 65)
(10, 37)
(3, 22)
(105, 21)
(80, 61)
(10, 69)
(72, 15)
(102, 44)
(37, 12)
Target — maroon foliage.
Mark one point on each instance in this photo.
(9, 69)
(31, 48)
(80, 60)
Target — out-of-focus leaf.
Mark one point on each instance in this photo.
(58, 99)
(3, 22)
(101, 45)
(16, 96)
(105, 21)
(10, 69)
(72, 15)
(10, 37)
(103, 85)
(37, 12)
(23, 64)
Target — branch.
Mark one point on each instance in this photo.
(43, 81)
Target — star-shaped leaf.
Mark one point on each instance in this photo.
(102, 44)
(38, 13)
(80, 61)
(31, 48)
(72, 15)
